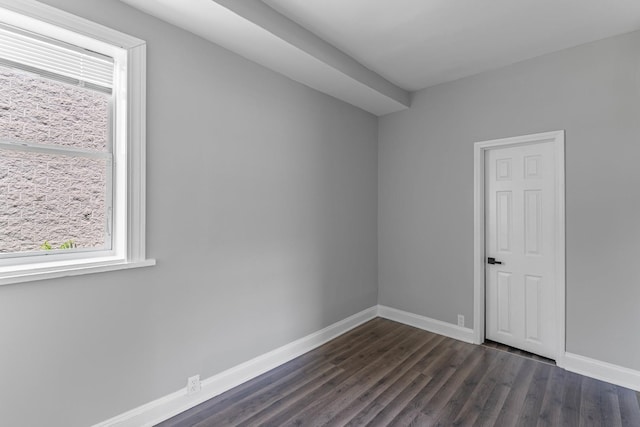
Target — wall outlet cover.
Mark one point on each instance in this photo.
(193, 384)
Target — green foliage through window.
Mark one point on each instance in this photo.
(69, 244)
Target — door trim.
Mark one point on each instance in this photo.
(479, 150)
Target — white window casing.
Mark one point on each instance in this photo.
(129, 138)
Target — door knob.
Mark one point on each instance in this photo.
(491, 260)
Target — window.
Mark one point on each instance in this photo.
(71, 145)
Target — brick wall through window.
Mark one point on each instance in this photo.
(50, 197)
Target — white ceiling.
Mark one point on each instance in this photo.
(419, 43)
(373, 53)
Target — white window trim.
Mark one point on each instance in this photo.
(29, 14)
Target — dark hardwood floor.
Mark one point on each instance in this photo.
(385, 373)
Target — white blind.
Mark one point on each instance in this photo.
(76, 64)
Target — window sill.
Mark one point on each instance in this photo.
(13, 275)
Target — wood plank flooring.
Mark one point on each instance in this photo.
(385, 373)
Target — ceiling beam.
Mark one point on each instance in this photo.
(257, 32)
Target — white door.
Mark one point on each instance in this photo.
(519, 234)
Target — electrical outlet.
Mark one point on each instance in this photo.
(460, 320)
(193, 384)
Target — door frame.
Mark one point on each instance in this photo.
(479, 264)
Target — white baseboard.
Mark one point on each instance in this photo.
(168, 406)
(603, 371)
(428, 324)
(177, 402)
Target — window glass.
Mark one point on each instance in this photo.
(55, 165)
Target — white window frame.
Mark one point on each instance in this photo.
(129, 139)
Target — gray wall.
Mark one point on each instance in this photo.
(262, 214)
(426, 188)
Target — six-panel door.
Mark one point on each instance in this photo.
(519, 232)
